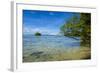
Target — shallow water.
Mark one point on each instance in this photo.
(49, 41)
(33, 43)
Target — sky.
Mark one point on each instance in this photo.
(45, 22)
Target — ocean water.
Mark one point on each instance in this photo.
(33, 43)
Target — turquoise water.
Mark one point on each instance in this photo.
(53, 48)
(45, 41)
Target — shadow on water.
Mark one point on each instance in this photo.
(36, 53)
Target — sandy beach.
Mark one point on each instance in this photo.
(48, 54)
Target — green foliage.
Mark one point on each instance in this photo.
(86, 28)
(79, 26)
(37, 34)
(72, 27)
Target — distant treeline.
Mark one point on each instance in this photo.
(78, 26)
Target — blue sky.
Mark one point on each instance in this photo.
(45, 22)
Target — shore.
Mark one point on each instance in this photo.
(48, 54)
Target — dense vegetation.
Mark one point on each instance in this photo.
(37, 34)
(79, 26)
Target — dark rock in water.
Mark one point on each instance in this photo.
(37, 34)
(23, 57)
(36, 53)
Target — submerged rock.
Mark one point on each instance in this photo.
(36, 53)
